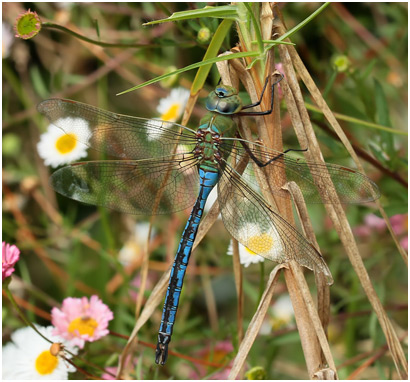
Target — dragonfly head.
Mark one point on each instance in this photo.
(224, 100)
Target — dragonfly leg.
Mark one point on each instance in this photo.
(266, 112)
(263, 164)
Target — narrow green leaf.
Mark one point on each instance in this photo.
(276, 42)
(382, 108)
(211, 52)
(223, 12)
(383, 117)
(256, 26)
(358, 121)
(304, 22)
(193, 66)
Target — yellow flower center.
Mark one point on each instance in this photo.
(66, 143)
(260, 243)
(83, 325)
(46, 363)
(171, 114)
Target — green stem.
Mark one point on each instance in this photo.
(261, 281)
(21, 314)
(256, 26)
(304, 22)
(358, 121)
(330, 83)
(101, 43)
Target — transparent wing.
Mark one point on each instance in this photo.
(117, 135)
(132, 186)
(351, 186)
(251, 221)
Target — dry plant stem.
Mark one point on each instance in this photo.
(303, 129)
(144, 273)
(323, 290)
(153, 301)
(308, 338)
(59, 274)
(237, 269)
(209, 300)
(310, 344)
(317, 325)
(321, 103)
(255, 324)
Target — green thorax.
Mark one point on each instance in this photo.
(220, 124)
(222, 104)
(213, 128)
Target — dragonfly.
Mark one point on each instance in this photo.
(160, 167)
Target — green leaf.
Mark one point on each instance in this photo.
(193, 66)
(358, 121)
(211, 52)
(224, 12)
(382, 108)
(368, 69)
(383, 118)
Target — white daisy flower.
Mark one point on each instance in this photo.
(281, 317)
(267, 243)
(246, 256)
(282, 312)
(28, 356)
(6, 39)
(133, 245)
(59, 147)
(172, 107)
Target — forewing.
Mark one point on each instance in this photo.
(131, 186)
(117, 135)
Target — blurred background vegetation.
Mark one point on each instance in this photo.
(357, 55)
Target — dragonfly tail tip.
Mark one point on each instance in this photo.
(161, 353)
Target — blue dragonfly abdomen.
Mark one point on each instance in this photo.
(208, 179)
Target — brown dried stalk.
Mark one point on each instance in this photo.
(303, 129)
(314, 342)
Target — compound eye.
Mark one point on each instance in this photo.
(221, 92)
(224, 107)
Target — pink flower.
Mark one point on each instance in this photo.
(218, 354)
(136, 284)
(109, 377)
(80, 320)
(111, 371)
(11, 255)
(399, 223)
(362, 231)
(371, 223)
(375, 222)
